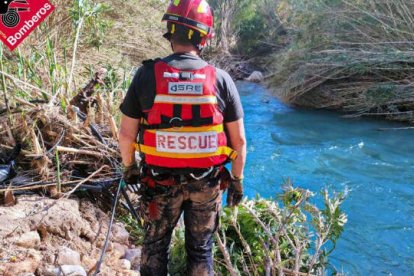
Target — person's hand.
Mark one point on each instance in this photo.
(235, 192)
(130, 175)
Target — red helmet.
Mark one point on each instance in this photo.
(194, 14)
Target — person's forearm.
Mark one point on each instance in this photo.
(128, 132)
(237, 167)
(126, 146)
(237, 136)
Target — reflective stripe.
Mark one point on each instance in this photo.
(218, 129)
(200, 76)
(171, 75)
(153, 151)
(185, 100)
(190, 34)
(177, 76)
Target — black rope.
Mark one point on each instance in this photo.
(105, 247)
(130, 206)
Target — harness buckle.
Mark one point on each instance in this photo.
(197, 178)
(154, 173)
(186, 76)
(176, 122)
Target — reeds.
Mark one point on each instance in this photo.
(352, 56)
(63, 141)
(59, 146)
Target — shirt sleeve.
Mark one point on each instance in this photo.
(233, 109)
(131, 106)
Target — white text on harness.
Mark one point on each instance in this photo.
(195, 142)
(186, 88)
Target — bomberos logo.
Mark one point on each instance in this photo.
(20, 17)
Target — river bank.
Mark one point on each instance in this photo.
(355, 57)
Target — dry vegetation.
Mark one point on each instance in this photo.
(45, 73)
(348, 55)
(61, 148)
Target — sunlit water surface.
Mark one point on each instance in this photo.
(318, 149)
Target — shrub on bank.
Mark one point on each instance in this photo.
(286, 236)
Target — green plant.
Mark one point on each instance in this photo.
(134, 228)
(178, 259)
(247, 27)
(262, 237)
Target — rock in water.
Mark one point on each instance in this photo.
(256, 76)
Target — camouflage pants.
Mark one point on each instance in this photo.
(200, 201)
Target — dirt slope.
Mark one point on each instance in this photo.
(39, 236)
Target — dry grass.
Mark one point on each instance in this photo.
(135, 33)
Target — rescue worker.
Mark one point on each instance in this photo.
(188, 118)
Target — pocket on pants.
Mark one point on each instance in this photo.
(207, 197)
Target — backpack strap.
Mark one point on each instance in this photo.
(146, 99)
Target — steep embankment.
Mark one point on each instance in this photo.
(44, 236)
(351, 56)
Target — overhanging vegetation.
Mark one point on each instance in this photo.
(349, 55)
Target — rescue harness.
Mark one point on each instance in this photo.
(184, 126)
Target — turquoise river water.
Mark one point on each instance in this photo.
(318, 149)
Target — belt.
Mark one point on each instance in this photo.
(181, 176)
(169, 171)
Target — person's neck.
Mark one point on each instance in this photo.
(188, 49)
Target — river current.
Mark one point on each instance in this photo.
(319, 149)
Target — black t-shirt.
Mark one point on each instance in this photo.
(143, 86)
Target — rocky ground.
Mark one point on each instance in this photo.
(42, 236)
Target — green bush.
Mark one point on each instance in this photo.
(254, 25)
